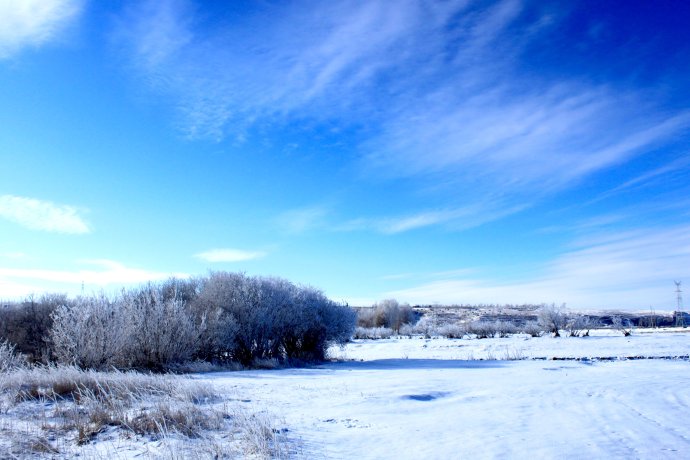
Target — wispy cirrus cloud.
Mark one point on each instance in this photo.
(269, 62)
(454, 219)
(631, 269)
(324, 218)
(442, 85)
(42, 215)
(676, 169)
(524, 143)
(229, 255)
(28, 23)
(303, 219)
(393, 225)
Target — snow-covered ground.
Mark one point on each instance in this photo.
(420, 398)
(412, 398)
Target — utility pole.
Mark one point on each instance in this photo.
(680, 317)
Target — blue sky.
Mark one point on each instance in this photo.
(435, 152)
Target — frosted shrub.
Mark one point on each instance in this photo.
(138, 329)
(426, 326)
(553, 319)
(264, 318)
(9, 359)
(408, 330)
(452, 331)
(386, 313)
(367, 318)
(160, 331)
(580, 325)
(217, 338)
(622, 325)
(504, 328)
(532, 328)
(310, 323)
(90, 333)
(482, 329)
(395, 315)
(373, 333)
(231, 301)
(225, 317)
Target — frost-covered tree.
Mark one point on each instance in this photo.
(26, 325)
(553, 319)
(580, 325)
(323, 322)
(269, 318)
(91, 333)
(234, 300)
(159, 331)
(622, 325)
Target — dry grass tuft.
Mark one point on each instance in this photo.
(164, 418)
(69, 382)
(60, 411)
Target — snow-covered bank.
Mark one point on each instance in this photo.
(602, 344)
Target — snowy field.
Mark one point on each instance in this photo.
(421, 398)
(605, 396)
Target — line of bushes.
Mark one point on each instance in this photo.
(224, 317)
(374, 323)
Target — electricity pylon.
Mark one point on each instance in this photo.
(680, 317)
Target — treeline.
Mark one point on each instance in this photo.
(222, 318)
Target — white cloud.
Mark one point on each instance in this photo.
(15, 290)
(42, 215)
(23, 281)
(33, 22)
(109, 272)
(632, 269)
(229, 255)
